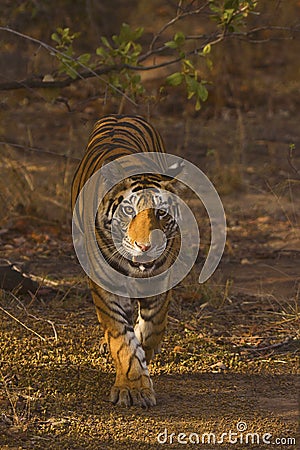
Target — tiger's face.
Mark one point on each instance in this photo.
(141, 223)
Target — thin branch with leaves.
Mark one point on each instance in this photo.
(119, 61)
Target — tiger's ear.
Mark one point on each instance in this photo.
(175, 169)
(170, 179)
(171, 173)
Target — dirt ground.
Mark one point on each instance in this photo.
(230, 358)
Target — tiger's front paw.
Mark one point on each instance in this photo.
(133, 395)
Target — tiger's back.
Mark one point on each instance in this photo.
(114, 136)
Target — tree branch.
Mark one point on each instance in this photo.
(12, 278)
(38, 82)
(213, 38)
(87, 72)
(181, 14)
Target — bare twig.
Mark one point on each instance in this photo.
(10, 399)
(249, 33)
(179, 16)
(37, 150)
(34, 83)
(269, 347)
(23, 324)
(290, 159)
(38, 319)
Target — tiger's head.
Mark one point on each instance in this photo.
(138, 231)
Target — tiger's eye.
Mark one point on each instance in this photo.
(128, 210)
(161, 213)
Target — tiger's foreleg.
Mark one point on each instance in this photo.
(151, 323)
(133, 385)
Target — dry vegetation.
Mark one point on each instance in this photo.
(231, 352)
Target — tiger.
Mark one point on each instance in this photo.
(133, 207)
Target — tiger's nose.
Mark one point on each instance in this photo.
(143, 247)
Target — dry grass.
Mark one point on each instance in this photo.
(54, 391)
(28, 187)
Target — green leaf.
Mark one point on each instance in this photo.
(192, 85)
(202, 92)
(56, 38)
(137, 51)
(189, 64)
(65, 32)
(69, 51)
(127, 47)
(228, 14)
(69, 71)
(175, 79)
(171, 44)
(100, 51)
(207, 49)
(125, 33)
(84, 58)
(209, 63)
(105, 41)
(116, 40)
(179, 38)
(198, 105)
(138, 32)
(214, 8)
(129, 35)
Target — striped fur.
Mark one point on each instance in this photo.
(136, 214)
